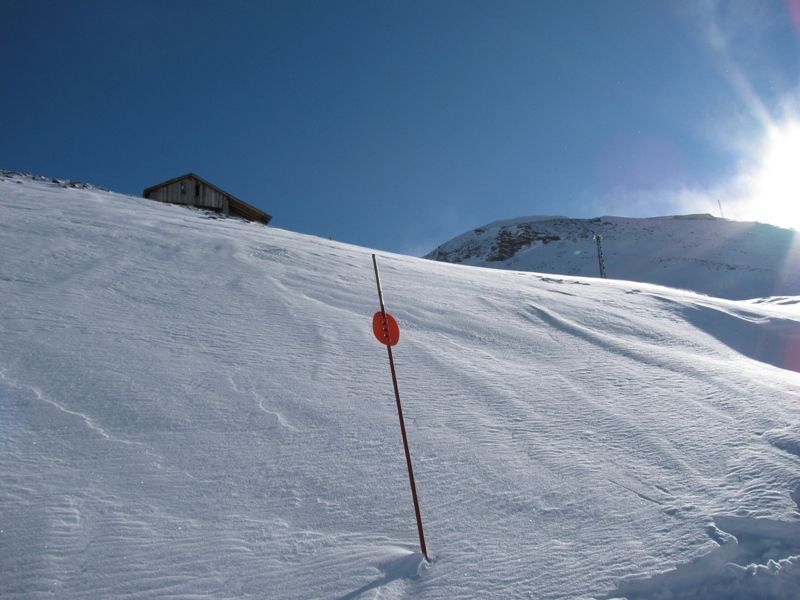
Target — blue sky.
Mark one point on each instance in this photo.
(398, 125)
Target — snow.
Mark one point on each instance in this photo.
(719, 257)
(196, 407)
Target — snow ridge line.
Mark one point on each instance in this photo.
(36, 392)
(260, 401)
(88, 421)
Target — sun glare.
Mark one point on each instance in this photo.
(774, 187)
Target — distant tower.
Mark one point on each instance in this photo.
(600, 259)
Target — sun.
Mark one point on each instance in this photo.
(773, 187)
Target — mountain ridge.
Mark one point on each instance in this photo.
(716, 256)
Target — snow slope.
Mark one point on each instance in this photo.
(719, 257)
(195, 407)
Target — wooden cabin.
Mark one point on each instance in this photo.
(192, 190)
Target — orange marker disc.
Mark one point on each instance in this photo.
(387, 332)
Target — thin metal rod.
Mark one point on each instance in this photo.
(600, 258)
(400, 416)
(378, 283)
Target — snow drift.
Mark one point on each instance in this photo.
(196, 407)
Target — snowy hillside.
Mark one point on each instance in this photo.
(719, 257)
(193, 407)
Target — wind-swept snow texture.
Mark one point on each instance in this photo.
(719, 257)
(193, 407)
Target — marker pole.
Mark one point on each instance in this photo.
(600, 259)
(400, 415)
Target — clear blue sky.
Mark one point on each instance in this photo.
(398, 125)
